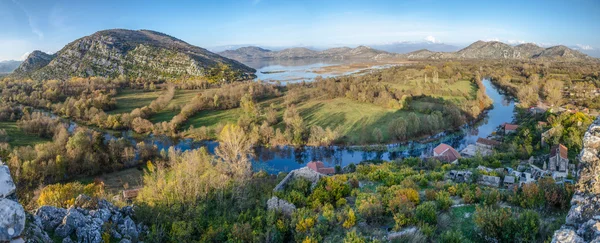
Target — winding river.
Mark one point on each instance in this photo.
(283, 159)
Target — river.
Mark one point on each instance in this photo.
(284, 159)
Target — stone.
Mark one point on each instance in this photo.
(84, 201)
(282, 205)
(566, 236)
(103, 214)
(34, 231)
(115, 234)
(7, 186)
(125, 241)
(128, 229)
(12, 219)
(50, 216)
(90, 233)
(67, 240)
(72, 221)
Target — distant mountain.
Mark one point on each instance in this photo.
(360, 52)
(9, 66)
(499, 50)
(407, 47)
(127, 53)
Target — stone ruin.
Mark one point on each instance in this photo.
(284, 206)
(460, 175)
(486, 180)
(583, 220)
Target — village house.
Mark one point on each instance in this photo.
(446, 153)
(558, 163)
(319, 167)
(509, 128)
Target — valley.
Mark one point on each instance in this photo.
(228, 147)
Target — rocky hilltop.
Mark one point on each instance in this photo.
(127, 53)
(360, 52)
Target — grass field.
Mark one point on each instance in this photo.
(18, 137)
(182, 97)
(354, 118)
(129, 99)
(462, 220)
(465, 87)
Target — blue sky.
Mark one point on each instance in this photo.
(48, 25)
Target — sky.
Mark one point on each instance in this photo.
(48, 25)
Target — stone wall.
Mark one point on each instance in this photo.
(583, 220)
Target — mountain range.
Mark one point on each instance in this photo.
(9, 66)
(152, 55)
(360, 52)
(127, 53)
(477, 50)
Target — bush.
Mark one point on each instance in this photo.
(452, 236)
(426, 213)
(63, 195)
(443, 200)
(369, 206)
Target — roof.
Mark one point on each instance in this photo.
(127, 194)
(489, 142)
(510, 127)
(318, 166)
(564, 152)
(446, 153)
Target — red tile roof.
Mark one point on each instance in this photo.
(446, 153)
(510, 127)
(564, 152)
(318, 166)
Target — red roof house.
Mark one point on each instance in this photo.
(446, 153)
(510, 127)
(319, 167)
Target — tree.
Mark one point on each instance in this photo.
(235, 150)
(553, 92)
(426, 213)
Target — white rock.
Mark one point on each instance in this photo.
(7, 186)
(12, 219)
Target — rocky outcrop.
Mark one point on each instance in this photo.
(278, 204)
(583, 220)
(12, 214)
(132, 54)
(87, 221)
(303, 172)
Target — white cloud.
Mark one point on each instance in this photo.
(512, 42)
(24, 56)
(492, 39)
(431, 39)
(584, 47)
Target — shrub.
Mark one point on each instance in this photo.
(353, 237)
(452, 236)
(350, 219)
(369, 206)
(443, 200)
(426, 213)
(63, 195)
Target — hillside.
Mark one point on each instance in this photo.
(360, 52)
(128, 53)
(9, 66)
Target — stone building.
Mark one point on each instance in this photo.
(558, 163)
